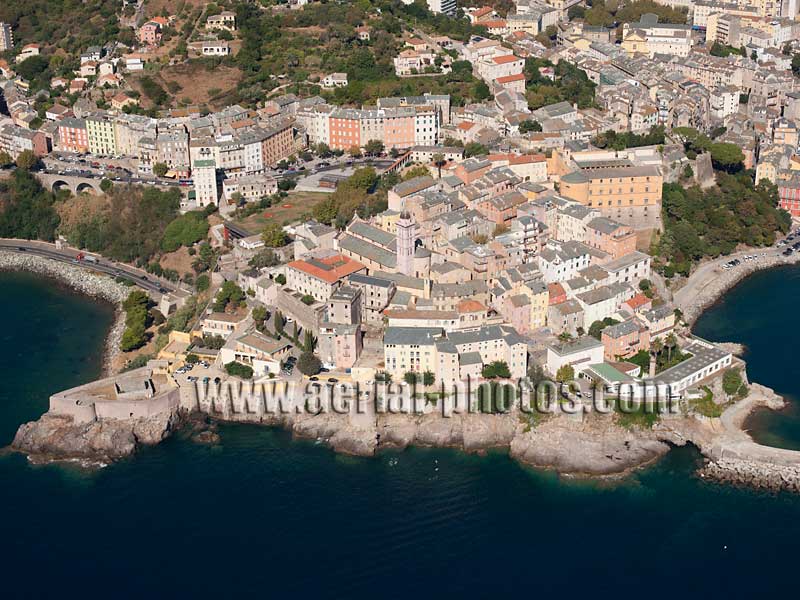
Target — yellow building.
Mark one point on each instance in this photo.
(539, 297)
(635, 43)
(387, 221)
(101, 134)
(410, 349)
(620, 190)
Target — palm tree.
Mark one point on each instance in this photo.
(439, 160)
(656, 347)
(670, 344)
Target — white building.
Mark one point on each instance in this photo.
(6, 37)
(579, 354)
(205, 182)
(447, 7)
(334, 80)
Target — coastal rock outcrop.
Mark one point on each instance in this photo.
(55, 437)
(595, 447)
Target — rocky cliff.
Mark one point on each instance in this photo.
(55, 437)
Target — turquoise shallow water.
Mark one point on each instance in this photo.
(261, 514)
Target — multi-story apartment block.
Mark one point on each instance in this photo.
(6, 37)
(101, 134)
(72, 135)
(277, 143)
(204, 175)
(172, 145)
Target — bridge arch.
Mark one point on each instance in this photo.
(60, 184)
(85, 186)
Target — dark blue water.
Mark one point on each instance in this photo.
(762, 313)
(263, 515)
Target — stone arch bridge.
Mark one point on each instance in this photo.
(75, 184)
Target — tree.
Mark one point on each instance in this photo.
(160, 169)
(727, 157)
(670, 342)
(732, 382)
(475, 149)
(237, 369)
(497, 368)
(259, 314)
(280, 279)
(596, 328)
(185, 230)
(213, 342)
(373, 147)
(229, 293)
(308, 299)
(263, 259)
(428, 378)
(656, 347)
(481, 91)
(279, 322)
(410, 377)
(31, 68)
(202, 283)
(354, 152)
(323, 150)
(27, 160)
(5, 159)
(106, 185)
(565, 373)
(363, 178)
(439, 161)
(576, 12)
(273, 235)
(310, 343)
(530, 125)
(309, 364)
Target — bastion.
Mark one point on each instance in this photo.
(143, 393)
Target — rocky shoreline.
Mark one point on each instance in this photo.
(99, 287)
(593, 447)
(54, 438)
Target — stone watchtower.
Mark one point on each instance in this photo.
(406, 231)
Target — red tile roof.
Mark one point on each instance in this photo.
(511, 78)
(501, 60)
(468, 306)
(330, 269)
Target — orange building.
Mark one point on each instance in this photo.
(345, 129)
(611, 237)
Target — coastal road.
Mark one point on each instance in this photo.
(150, 283)
(710, 280)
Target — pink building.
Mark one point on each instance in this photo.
(339, 346)
(517, 311)
(150, 33)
